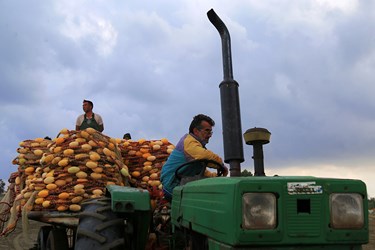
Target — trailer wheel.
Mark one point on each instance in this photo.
(99, 227)
(42, 237)
(57, 239)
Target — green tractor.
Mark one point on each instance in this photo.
(256, 212)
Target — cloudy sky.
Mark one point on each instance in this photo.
(304, 68)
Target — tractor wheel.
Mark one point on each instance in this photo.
(99, 227)
(42, 237)
(57, 239)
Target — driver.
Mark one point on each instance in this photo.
(191, 146)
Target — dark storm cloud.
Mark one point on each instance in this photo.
(306, 76)
(302, 90)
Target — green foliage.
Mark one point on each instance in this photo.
(246, 173)
(371, 203)
(2, 186)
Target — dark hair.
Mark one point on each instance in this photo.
(198, 119)
(89, 102)
(127, 136)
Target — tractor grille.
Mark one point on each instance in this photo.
(304, 216)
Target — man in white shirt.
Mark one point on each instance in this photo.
(89, 119)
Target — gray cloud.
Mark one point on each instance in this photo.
(305, 75)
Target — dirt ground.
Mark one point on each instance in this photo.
(371, 244)
(18, 241)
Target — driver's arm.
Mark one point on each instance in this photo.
(194, 149)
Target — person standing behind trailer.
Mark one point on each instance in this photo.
(89, 119)
(127, 136)
(192, 146)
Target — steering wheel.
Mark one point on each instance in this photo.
(204, 163)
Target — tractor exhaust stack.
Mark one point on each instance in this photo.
(230, 105)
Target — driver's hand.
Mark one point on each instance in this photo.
(225, 170)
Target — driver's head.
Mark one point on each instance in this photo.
(201, 127)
